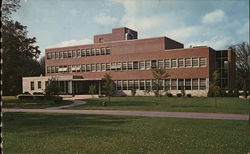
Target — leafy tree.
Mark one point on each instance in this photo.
(42, 65)
(158, 74)
(242, 51)
(133, 90)
(108, 86)
(52, 88)
(19, 51)
(92, 90)
(214, 89)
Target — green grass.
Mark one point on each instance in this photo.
(222, 105)
(73, 133)
(13, 102)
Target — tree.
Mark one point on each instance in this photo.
(52, 88)
(19, 51)
(108, 86)
(42, 65)
(214, 88)
(242, 51)
(158, 74)
(92, 90)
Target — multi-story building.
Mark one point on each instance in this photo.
(129, 61)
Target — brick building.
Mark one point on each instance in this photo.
(129, 61)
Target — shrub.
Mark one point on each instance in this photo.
(26, 93)
(133, 91)
(236, 93)
(25, 97)
(38, 93)
(189, 95)
(169, 95)
(222, 93)
(179, 95)
(230, 93)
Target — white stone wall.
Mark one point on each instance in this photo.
(27, 86)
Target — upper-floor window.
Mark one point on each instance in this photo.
(147, 64)
(73, 54)
(97, 50)
(83, 68)
(61, 54)
(153, 64)
(48, 55)
(101, 40)
(130, 65)
(202, 61)
(57, 55)
(39, 84)
(167, 63)
(98, 67)
(124, 66)
(107, 51)
(102, 51)
(142, 65)
(103, 67)
(32, 86)
(87, 52)
(195, 62)
(187, 84)
(173, 63)
(174, 84)
(180, 62)
(107, 66)
(69, 54)
(188, 62)
(118, 65)
(65, 54)
(83, 53)
(53, 55)
(160, 63)
(92, 52)
(78, 53)
(135, 65)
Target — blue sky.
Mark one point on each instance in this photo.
(57, 23)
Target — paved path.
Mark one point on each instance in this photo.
(192, 115)
(75, 103)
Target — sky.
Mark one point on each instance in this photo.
(58, 23)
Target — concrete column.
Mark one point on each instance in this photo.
(70, 87)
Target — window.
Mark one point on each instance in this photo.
(195, 62)
(93, 67)
(48, 69)
(130, 84)
(65, 68)
(136, 84)
(195, 84)
(73, 54)
(119, 85)
(167, 84)
(187, 84)
(69, 54)
(174, 84)
(69, 69)
(147, 64)
(103, 67)
(53, 69)
(180, 62)
(107, 66)
(102, 51)
(39, 84)
(98, 67)
(97, 50)
(57, 55)
(118, 65)
(113, 66)
(173, 63)
(61, 54)
(87, 52)
(83, 53)
(135, 65)
(83, 68)
(153, 64)
(32, 86)
(48, 55)
(124, 65)
(65, 54)
(142, 85)
(202, 84)
(53, 55)
(108, 51)
(167, 63)
(160, 64)
(92, 52)
(148, 84)
(130, 65)
(125, 85)
(73, 69)
(142, 65)
(160, 82)
(100, 40)
(180, 84)
(78, 53)
(78, 68)
(188, 62)
(88, 68)
(203, 62)
(56, 69)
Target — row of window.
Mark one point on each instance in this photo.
(130, 65)
(79, 53)
(32, 85)
(167, 84)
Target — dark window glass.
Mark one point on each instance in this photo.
(135, 65)
(32, 85)
(39, 84)
(153, 64)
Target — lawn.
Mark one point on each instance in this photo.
(73, 133)
(13, 102)
(195, 104)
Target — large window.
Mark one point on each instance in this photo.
(107, 66)
(135, 65)
(83, 68)
(130, 65)
(88, 52)
(48, 55)
(78, 53)
(98, 67)
(174, 84)
(32, 86)
(108, 51)
(125, 85)
(202, 61)
(92, 52)
(180, 84)
(160, 63)
(52, 55)
(153, 64)
(148, 84)
(142, 85)
(195, 62)
(113, 66)
(74, 54)
(124, 66)
(61, 54)
(88, 68)
(102, 51)
(167, 63)
(39, 84)
(48, 69)
(167, 84)
(147, 64)
(142, 65)
(202, 84)
(93, 67)
(173, 63)
(65, 54)
(83, 53)
(69, 54)
(188, 62)
(118, 66)
(57, 55)
(136, 84)
(130, 84)
(119, 85)
(103, 67)
(97, 50)
(195, 84)
(180, 62)
(187, 84)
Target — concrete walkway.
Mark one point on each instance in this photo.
(192, 115)
(75, 103)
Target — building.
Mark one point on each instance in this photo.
(129, 61)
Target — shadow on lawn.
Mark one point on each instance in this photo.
(53, 124)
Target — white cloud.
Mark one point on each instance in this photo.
(214, 17)
(73, 42)
(103, 18)
(184, 32)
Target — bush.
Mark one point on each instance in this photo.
(230, 93)
(236, 93)
(133, 91)
(223, 93)
(189, 95)
(25, 97)
(26, 93)
(179, 95)
(169, 95)
(38, 93)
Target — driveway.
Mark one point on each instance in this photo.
(192, 115)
